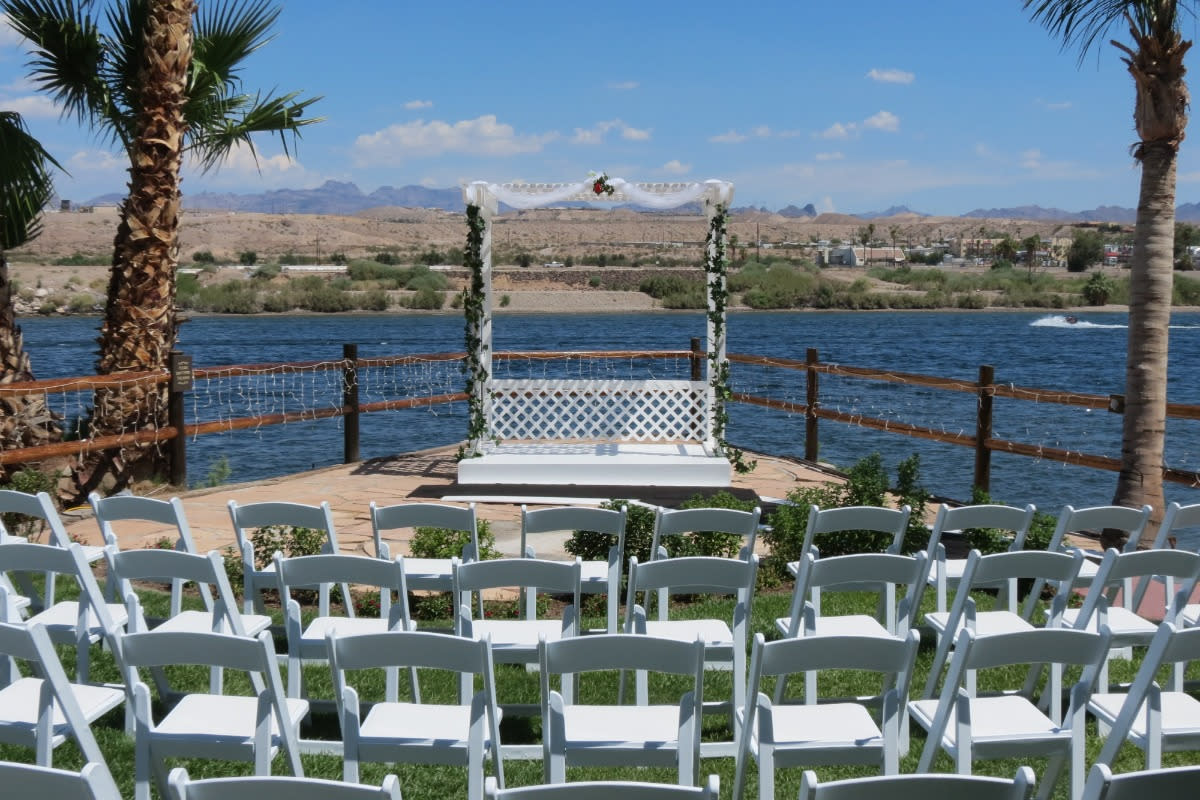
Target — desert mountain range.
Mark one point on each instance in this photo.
(344, 198)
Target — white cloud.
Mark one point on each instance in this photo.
(839, 131)
(96, 161)
(834, 156)
(412, 105)
(883, 121)
(826, 205)
(596, 133)
(480, 136)
(428, 182)
(21, 83)
(676, 167)
(761, 131)
(1031, 159)
(891, 76)
(623, 86)
(30, 106)
(1054, 106)
(982, 150)
(729, 137)
(242, 165)
(8, 36)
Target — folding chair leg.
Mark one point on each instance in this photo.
(766, 773)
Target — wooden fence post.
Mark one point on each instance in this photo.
(350, 440)
(697, 359)
(811, 444)
(983, 428)
(180, 366)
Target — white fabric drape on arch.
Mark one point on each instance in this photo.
(488, 195)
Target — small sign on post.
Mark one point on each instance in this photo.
(182, 377)
(1116, 403)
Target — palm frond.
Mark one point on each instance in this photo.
(124, 47)
(25, 183)
(225, 35)
(282, 115)
(1083, 23)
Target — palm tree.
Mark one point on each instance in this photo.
(139, 84)
(25, 188)
(1155, 60)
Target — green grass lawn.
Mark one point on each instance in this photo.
(516, 685)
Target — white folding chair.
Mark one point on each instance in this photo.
(988, 571)
(882, 573)
(1177, 782)
(838, 731)
(251, 516)
(702, 521)
(43, 712)
(232, 727)
(40, 506)
(181, 787)
(425, 573)
(920, 787)
(1132, 521)
(1119, 574)
(1154, 720)
(306, 643)
(893, 521)
(946, 573)
(81, 622)
(93, 782)
(416, 732)
(1178, 519)
(168, 513)
(514, 641)
(968, 726)
(207, 572)
(596, 577)
(605, 790)
(725, 642)
(661, 734)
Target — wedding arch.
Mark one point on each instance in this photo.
(594, 431)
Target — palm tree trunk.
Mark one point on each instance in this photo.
(24, 421)
(140, 323)
(1150, 288)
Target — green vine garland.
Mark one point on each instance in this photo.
(714, 267)
(472, 303)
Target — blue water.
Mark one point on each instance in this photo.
(1032, 349)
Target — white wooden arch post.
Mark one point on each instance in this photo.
(501, 449)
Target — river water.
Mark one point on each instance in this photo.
(1031, 349)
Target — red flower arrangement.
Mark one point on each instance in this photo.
(600, 184)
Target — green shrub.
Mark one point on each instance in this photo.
(248, 257)
(81, 303)
(505, 300)
(78, 259)
(448, 543)
(326, 299)
(662, 286)
(425, 300)
(419, 278)
(709, 543)
(203, 257)
(594, 281)
(990, 540)
(266, 271)
(29, 481)
(374, 300)
(639, 534)
(1098, 289)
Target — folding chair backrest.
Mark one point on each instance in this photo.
(1179, 570)
(1050, 566)
(604, 790)
(424, 515)
(1100, 518)
(1102, 784)
(875, 572)
(277, 788)
(131, 507)
(705, 520)
(163, 648)
(325, 569)
(206, 571)
(620, 651)
(1045, 645)
(261, 515)
(1178, 518)
(857, 518)
(868, 653)
(920, 787)
(28, 780)
(692, 575)
(999, 517)
(573, 518)
(546, 576)
(39, 506)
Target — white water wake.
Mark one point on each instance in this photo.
(1061, 321)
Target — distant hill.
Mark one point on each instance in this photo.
(792, 211)
(894, 211)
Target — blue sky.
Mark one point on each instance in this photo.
(853, 106)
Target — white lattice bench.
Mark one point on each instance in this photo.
(558, 432)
